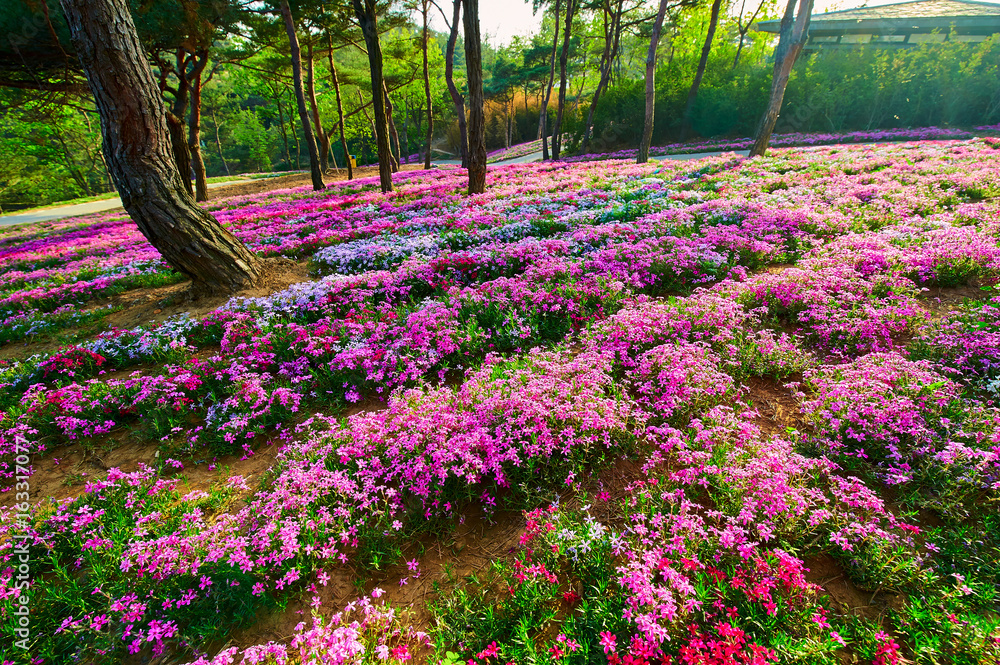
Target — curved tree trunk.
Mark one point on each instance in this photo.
(647, 127)
(194, 128)
(713, 22)
(611, 40)
(300, 98)
(563, 60)
(340, 108)
(543, 115)
(793, 38)
(449, 78)
(743, 28)
(477, 115)
(367, 17)
(321, 138)
(137, 149)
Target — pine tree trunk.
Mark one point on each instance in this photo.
(295, 137)
(404, 153)
(218, 143)
(427, 88)
(340, 109)
(179, 148)
(194, 128)
(175, 120)
(563, 60)
(477, 115)
(607, 57)
(543, 115)
(365, 11)
(647, 127)
(137, 150)
(739, 49)
(284, 133)
(793, 38)
(507, 134)
(300, 98)
(449, 78)
(395, 149)
(322, 139)
(713, 22)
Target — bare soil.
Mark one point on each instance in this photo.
(777, 407)
(471, 548)
(157, 305)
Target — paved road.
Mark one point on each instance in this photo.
(110, 204)
(537, 157)
(697, 155)
(78, 210)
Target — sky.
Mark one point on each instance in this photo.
(504, 19)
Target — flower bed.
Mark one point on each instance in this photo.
(792, 139)
(577, 320)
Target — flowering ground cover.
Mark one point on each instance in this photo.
(793, 139)
(708, 396)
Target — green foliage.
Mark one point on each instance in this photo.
(47, 153)
(829, 91)
(249, 134)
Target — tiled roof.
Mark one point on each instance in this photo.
(910, 10)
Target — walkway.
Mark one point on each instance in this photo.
(81, 209)
(78, 209)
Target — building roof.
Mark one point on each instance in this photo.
(914, 9)
(918, 15)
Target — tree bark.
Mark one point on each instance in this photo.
(742, 28)
(563, 60)
(322, 139)
(340, 108)
(367, 17)
(543, 115)
(218, 143)
(284, 132)
(713, 22)
(300, 98)
(175, 120)
(427, 88)
(647, 127)
(477, 115)
(449, 78)
(607, 58)
(793, 38)
(394, 148)
(404, 153)
(70, 164)
(194, 128)
(137, 150)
